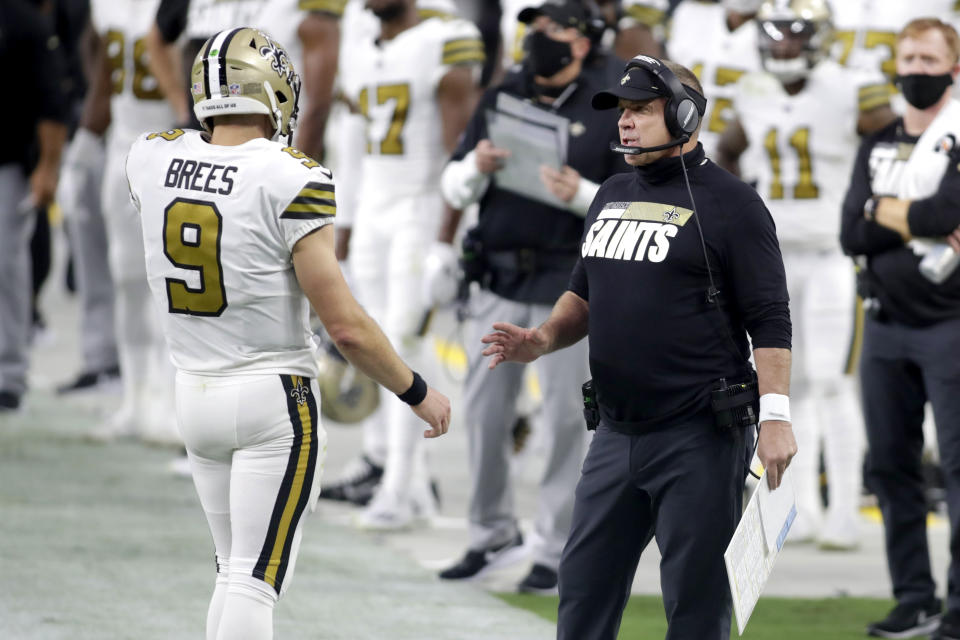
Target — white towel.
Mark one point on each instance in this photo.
(928, 162)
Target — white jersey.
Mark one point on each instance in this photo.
(394, 84)
(136, 101)
(219, 226)
(701, 41)
(207, 17)
(865, 31)
(802, 147)
(512, 31)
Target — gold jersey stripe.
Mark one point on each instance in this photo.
(426, 14)
(462, 43)
(873, 96)
(297, 211)
(649, 16)
(333, 7)
(316, 193)
(294, 493)
(465, 57)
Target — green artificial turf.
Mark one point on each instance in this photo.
(773, 618)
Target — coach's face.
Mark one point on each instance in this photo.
(641, 124)
(927, 54)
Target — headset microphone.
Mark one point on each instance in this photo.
(632, 151)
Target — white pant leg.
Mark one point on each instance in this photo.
(829, 319)
(368, 270)
(806, 425)
(136, 324)
(256, 448)
(391, 245)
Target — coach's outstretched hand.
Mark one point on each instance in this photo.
(435, 411)
(510, 343)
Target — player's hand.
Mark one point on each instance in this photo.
(563, 183)
(510, 343)
(954, 239)
(441, 275)
(776, 447)
(488, 157)
(435, 411)
(43, 184)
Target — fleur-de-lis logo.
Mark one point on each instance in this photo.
(300, 392)
(625, 79)
(671, 215)
(276, 55)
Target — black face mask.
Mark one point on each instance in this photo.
(545, 56)
(390, 12)
(921, 90)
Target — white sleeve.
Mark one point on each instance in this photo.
(313, 206)
(582, 199)
(461, 183)
(349, 141)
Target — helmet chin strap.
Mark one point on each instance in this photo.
(275, 110)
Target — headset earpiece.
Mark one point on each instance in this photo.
(680, 114)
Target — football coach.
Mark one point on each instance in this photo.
(679, 262)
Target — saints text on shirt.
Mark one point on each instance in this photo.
(634, 231)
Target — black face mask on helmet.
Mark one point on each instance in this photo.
(546, 56)
(922, 90)
(390, 12)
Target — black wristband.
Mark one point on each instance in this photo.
(417, 391)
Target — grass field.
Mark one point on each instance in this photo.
(773, 619)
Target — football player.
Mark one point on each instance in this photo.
(797, 125)
(414, 82)
(127, 97)
(866, 30)
(718, 42)
(238, 236)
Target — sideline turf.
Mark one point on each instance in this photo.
(773, 619)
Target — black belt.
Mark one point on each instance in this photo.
(530, 260)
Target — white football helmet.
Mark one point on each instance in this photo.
(794, 35)
(244, 70)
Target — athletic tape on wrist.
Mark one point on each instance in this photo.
(417, 391)
(774, 406)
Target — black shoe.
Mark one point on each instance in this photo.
(89, 380)
(907, 620)
(358, 484)
(949, 626)
(541, 579)
(476, 562)
(9, 401)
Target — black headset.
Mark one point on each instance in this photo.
(684, 106)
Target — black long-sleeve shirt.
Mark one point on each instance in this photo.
(892, 273)
(656, 343)
(30, 52)
(509, 222)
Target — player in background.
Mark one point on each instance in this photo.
(797, 125)
(865, 31)
(414, 82)
(718, 42)
(124, 98)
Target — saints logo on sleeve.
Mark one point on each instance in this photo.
(639, 231)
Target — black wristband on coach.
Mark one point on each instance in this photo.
(417, 391)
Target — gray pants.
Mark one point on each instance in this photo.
(88, 242)
(15, 285)
(490, 398)
(901, 369)
(682, 485)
